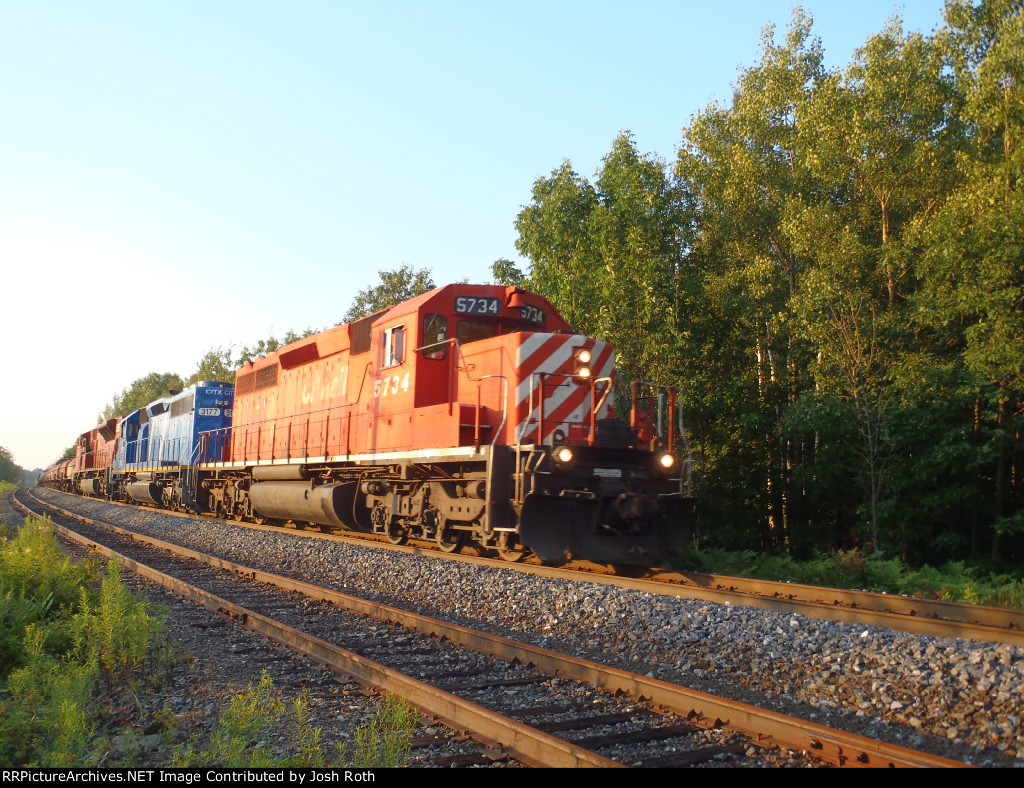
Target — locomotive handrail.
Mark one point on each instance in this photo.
(435, 344)
(464, 367)
(478, 381)
(594, 407)
(216, 453)
(368, 370)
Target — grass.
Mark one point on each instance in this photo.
(55, 647)
(72, 633)
(953, 581)
(240, 737)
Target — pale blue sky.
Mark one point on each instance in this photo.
(177, 176)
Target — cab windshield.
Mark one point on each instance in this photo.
(467, 331)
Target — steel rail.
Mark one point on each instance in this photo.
(498, 732)
(981, 615)
(766, 728)
(906, 614)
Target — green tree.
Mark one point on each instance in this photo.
(882, 138)
(395, 287)
(507, 273)
(9, 471)
(637, 229)
(555, 234)
(836, 279)
(878, 141)
(971, 301)
(606, 254)
(141, 392)
(216, 364)
(744, 170)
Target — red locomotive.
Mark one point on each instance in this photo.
(471, 413)
(86, 473)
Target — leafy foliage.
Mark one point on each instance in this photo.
(59, 634)
(239, 738)
(385, 742)
(140, 393)
(9, 471)
(395, 286)
(832, 274)
(953, 581)
(220, 363)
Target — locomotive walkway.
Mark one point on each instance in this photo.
(638, 721)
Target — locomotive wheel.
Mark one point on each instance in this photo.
(384, 522)
(507, 547)
(396, 533)
(447, 538)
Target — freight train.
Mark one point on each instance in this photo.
(471, 414)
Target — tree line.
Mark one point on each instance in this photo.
(832, 271)
(9, 470)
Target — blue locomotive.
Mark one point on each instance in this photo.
(160, 444)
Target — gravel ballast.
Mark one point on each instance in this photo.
(959, 698)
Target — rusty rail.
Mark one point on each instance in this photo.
(768, 728)
(503, 734)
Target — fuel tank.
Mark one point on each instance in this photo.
(328, 504)
(90, 486)
(145, 491)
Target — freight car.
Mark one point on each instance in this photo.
(59, 476)
(469, 414)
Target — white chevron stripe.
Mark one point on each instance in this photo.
(556, 359)
(559, 357)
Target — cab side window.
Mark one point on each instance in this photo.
(435, 330)
(394, 346)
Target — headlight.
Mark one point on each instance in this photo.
(563, 455)
(666, 462)
(581, 363)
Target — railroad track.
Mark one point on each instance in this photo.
(932, 617)
(520, 701)
(909, 614)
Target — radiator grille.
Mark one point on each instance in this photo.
(244, 382)
(359, 333)
(266, 377)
